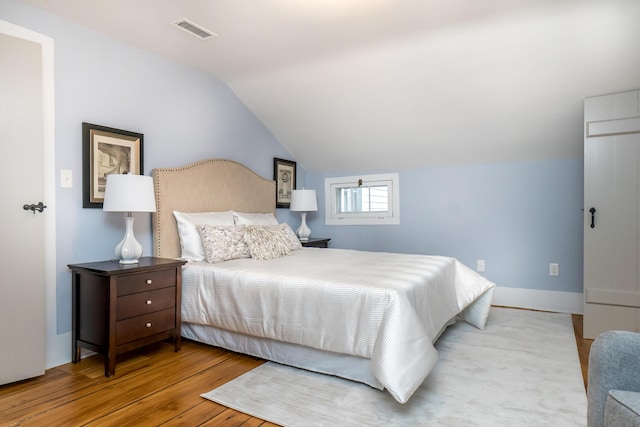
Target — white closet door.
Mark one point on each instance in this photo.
(22, 290)
(612, 177)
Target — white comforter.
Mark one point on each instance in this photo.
(384, 306)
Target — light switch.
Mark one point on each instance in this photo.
(66, 178)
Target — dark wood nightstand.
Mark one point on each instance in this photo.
(316, 242)
(118, 307)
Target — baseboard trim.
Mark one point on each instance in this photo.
(561, 302)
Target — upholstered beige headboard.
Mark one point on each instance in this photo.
(212, 185)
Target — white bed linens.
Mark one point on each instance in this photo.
(384, 306)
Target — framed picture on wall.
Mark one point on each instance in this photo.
(106, 151)
(284, 174)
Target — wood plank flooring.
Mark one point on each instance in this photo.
(153, 386)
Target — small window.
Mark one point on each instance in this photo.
(360, 200)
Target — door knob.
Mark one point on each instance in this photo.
(33, 208)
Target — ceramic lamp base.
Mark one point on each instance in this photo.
(129, 250)
(304, 232)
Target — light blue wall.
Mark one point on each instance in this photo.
(184, 114)
(518, 217)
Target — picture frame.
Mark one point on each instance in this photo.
(284, 174)
(107, 150)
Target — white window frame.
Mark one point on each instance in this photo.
(392, 216)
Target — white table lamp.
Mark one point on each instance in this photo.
(129, 193)
(303, 201)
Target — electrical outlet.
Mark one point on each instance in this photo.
(554, 269)
(480, 265)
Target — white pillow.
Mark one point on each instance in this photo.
(223, 242)
(190, 241)
(244, 218)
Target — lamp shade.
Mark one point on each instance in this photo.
(129, 193)
(303, 201)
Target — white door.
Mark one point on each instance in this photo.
(612, 231)
(22, 257)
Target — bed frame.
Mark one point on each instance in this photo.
(212, 185)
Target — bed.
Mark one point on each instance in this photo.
(370, 317)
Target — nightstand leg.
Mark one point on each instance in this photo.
(75, 353)
(110, 364)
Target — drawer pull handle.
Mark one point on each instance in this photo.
(148, 325)
(148, 302)
(149, 281)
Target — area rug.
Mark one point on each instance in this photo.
(522, 370)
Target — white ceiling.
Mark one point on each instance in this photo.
(350, 85)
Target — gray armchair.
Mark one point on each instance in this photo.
(613, 391)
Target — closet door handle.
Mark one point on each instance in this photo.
(593, 217)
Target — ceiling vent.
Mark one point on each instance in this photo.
(194, 29)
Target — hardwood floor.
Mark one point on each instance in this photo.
(584, 346)
(152, 386)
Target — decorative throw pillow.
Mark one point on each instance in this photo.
(291, 237)
(190, 241)
(266, 241)
(223, 242)
(244, 218)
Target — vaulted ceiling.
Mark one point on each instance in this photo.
(350, 85)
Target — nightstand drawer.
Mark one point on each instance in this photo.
(145, 302)
(144, 326)
(146, 281)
